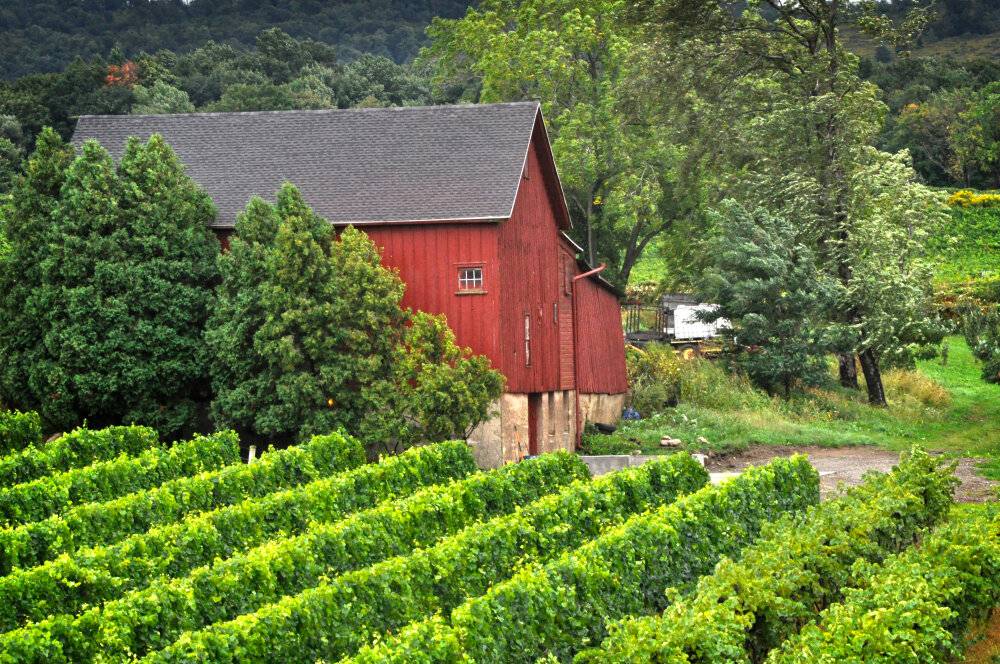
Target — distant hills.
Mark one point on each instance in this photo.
(39, 36)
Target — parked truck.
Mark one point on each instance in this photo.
(674, 320)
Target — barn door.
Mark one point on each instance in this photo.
(534, 422)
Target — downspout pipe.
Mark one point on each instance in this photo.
(576, 351)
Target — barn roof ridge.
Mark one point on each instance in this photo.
(408, 164)
(317, 111)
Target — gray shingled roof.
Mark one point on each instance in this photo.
(353, 166)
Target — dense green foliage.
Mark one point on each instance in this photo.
(308, 336)
(120, 293)
(108, 522)
(558, 608)
(78, 448)
(272, 72)
(337, 617)
(981, 328)
(746, 608)
(915, 607)
(282, 567)
(46, 36)
(19, 431)
(626, 173)
(769, 287)
(90, 576)
(106, 480)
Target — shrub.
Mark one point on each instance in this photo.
(746, 608)
(80, 447)
(105, 523)
(339, 616)
(912, 608)
(594, 442)
(654, 377)
(965, 198)
(91, 576)
(287, 566)
(907, 383)
(560, 607)
(19, 430)
(105, 480)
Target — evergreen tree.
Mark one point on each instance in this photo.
(27, 226)
(308, 336)
(126, 284)
(773, 295)
(318, 326)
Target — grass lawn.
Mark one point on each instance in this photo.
(945, 408)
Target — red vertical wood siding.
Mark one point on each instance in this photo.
(530, 284)
(567, 268)
(428, 257)
(602, 342)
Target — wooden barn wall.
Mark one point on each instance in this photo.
(530, 285)
(602, 343)
(428, 258)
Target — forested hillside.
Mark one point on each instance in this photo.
(46, 35)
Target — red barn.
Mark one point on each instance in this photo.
(466, 203)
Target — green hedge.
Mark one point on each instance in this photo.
(250, 580)
(746, 608)
(76, 449)
(106, 480)
(340, 616)
(19, 430)
(106, 523)
(916, 607)
(557, 609)
(92, 576)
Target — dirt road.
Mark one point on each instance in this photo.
(849, 464)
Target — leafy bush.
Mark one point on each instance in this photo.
(595, 442)
(981, 328)
(80, 447)
(105, 480)
(561, 607)
(746, 608)
(90, 576)
(105, 523)
(19, 430)
(249, 580)
(912, 608)
(654, 377)
(915, 385)
(338, 617)
(965, 198)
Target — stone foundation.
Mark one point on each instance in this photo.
(602, 408)
(504, 438)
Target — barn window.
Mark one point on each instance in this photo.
(470, 279)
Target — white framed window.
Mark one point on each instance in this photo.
(470, 278)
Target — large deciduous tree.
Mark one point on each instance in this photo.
(621, 164)
(801, 108)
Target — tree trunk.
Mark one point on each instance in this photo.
(873, 378)
(848, 371)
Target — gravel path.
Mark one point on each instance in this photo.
(849, 464)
